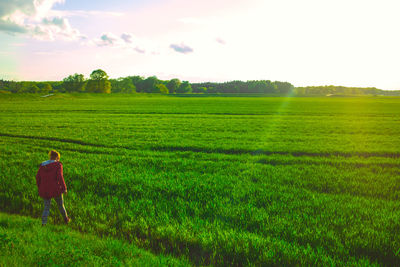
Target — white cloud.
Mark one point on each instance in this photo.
(10, 7)
(58, 21)
(59, 26)
(220, 40)
(108, 39)
(181, 48)
(140, 50)
(127, 37)
(125, 41)
(11, 27)
(43, 7)
(33, 17)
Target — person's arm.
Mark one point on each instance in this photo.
(60, 178)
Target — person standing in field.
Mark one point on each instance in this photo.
(51, 184)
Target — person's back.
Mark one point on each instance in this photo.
(51, 184)
(50, 181)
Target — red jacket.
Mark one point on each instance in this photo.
(50, 180)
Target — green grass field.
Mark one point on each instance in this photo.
(216, 180)
(24, 242)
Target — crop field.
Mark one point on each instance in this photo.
(24, 242)
(216, 180)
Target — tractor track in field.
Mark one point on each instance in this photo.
(11, 112)
(227, 151)
(285, 153)
(71, 141)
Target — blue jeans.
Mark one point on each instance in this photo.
(47, 204)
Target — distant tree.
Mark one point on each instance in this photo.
(211, 90)
(128, 86)
(284, 87)
(184, 88)
(264, 86)
(98, 86)
(162, 88)
(98, 82)
(338, 90)
(12, 86)
(56, 86)
(74, 83)
(201, 90)
(122, 85)
(98, 75)
(356, 91)
(300, 91)
(137, 81)
(173, 85)
(24, 87)
(270, 87)
(5, 86)
(34, 89)
(46, 88)
(150, 85)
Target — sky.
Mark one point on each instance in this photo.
(305, 42)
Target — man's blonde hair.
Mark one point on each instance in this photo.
(54, 155)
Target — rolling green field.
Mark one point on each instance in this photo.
(216, 180)
(24, 242)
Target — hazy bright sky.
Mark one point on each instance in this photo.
(305, 42)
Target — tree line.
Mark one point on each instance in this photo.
(99, 82)
(235, 87)
(342, 90)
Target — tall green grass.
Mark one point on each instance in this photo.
(224, 181)
(24, 242)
